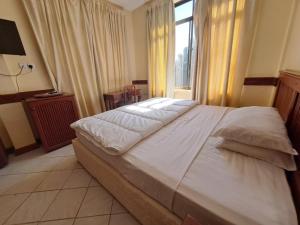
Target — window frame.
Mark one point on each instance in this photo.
(191, 30)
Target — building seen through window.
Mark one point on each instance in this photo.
(184, 43)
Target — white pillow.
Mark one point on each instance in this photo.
(256, 126)
(279, 159)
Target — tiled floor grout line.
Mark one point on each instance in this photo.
(111, 207)
(69, 165)
(58, 191)
(34, 191)
(69, 218)
(13, 174)
(40, 220)
(5, 221)
(86, 191)
(16, 162)
(29, 194)
(43, 171)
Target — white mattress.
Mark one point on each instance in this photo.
(180, 167)
(117, 131)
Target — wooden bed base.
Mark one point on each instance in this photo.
(147, 210)
(141, 206)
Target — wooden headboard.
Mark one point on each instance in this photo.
(287, 101)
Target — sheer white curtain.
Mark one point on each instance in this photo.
(224, 31)
(83, 44)
(161, 47)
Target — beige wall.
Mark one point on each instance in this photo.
(268, 49)
(292, 54)
(130, 46)
(140, 40)
(12, 115)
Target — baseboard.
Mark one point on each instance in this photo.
(26, 148)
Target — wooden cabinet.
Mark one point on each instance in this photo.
(52, 117)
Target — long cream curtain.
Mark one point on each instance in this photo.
(224, 31)
(161, 46)
(83, 44)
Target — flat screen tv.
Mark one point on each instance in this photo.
(10, 41)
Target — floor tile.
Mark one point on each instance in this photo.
(21, 183)
(94, 183)
(64, 151)
(123, 219)
(9, 203)
(55, 180)
(117, 208)
(33, 208)
(67, 163)
(97, 220)
(38, 171)
(66, 204)
(96, 202)
(31, 165)
(78, 178)
(58, 222)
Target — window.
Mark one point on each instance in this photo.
(184, 42)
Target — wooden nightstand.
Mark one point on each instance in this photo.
(52, 117)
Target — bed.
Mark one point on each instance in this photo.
(161, 186)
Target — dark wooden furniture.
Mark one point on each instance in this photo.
(116, 99)
(18, 97)
(52, 118)
(261, 81)
(189, 220)
(287, 101)
(140, 82)
(3, 157)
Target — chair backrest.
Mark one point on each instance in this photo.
(143, 86)
(129, 94)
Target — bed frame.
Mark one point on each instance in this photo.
(149, 211)
(287, 101)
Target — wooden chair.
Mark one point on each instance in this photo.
(142, 86)
(131, 94)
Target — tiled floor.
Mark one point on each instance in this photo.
(53, 189)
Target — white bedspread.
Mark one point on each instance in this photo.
(118, 130)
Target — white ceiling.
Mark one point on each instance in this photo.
(129, 4)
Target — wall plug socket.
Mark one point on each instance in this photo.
(27, 66)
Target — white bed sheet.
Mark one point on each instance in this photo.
(199, 179)
(239, 189)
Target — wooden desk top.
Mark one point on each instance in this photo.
(119, 92)
(33, 99)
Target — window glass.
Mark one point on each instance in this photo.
(184, 52)
(184, 11)
(182, 55)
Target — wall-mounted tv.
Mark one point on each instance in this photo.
(10, 41)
